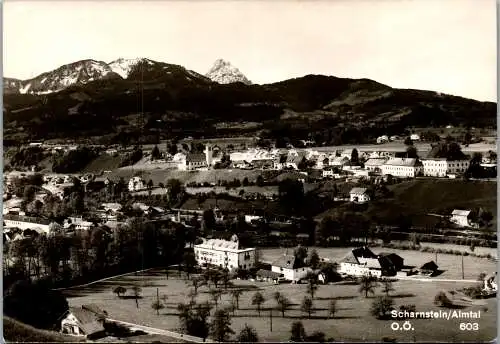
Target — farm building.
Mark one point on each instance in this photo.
(86, 321)
(362, 261)
(428, 268)
(402, 167)
(359, 195)
(461, 218)
(225, 254)
(291, 268)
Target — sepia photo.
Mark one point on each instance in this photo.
(250, 171)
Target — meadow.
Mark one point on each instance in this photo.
(352, 321)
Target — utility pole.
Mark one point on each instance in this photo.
(463, 267)
(436, 257)
(271, 319)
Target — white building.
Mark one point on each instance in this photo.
(461, 218)
(363, 262)
(337, 161)
(359, 195)
(86, 321)
(225, 254)
(291, 268)
(382, 139)
(402, 167)
(440, 167)
(136, 184)
(78, 223)
(374, 164)
(25, 222)
(415, 137)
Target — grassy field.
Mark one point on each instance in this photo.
(419, 197)
(353, 308)
(15, 331)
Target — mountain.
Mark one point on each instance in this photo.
(129, 99)
(88, 71)
(223, 72)
(76, 73)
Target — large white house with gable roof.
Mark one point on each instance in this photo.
(225, 254)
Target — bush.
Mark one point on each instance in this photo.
(381, 307)
(442, 300)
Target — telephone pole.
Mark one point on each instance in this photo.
(463, 267)
(271, 319)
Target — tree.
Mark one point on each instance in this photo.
(157, 305)
(411, 152)
(197, 283)
(381, 307)
(119, 291)
(220, 326)
(189, 261)
(215, 277)
(387, 286)
(442, 300)
(137, 294)
(283, 305)
(194, 320)
(367, 285)
(155, 153)
(312, 284)
(408, 141)
(258, 300)
(298, 332)
(415, 239)
(291, 195)
(486, 217)
(248, 335)
(354, 157)
(245, 181)
(215, 294)
(300, 254)
(332, 308)
(209, 219)
(236, 293)
(34, 303)
(175, 190)
(314, 259)
(259, 181)
(307, 305)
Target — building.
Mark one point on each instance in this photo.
(462, 218)
(87, 321)
(382, 139)
(338, 161)
(375, 164)
(27, 222)
(441, 167)
(359, 195)
(363, 262)
(402, 167)
(136, 184)
(225, 254)
(415, 137)
(292, 269)
(77, 223)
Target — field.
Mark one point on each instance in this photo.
(353, 308)
(419, 197)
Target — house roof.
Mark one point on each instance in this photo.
(429, 266)
(287, 261)
(458, 212)
(268, 274)
(195, 157)
(410, 162)
(364, 252)
(28, 219)
(94, 308)
(358, 191)
(350, 258)
(88, 320)
(375, 161)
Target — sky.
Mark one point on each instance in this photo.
(446, 46)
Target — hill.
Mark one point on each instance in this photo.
(419, 197)
(160, 100)
(15, 331)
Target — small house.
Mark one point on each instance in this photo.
(87, 321)
(291, 268)
(267, 275)
(461, 218)
(359, 195)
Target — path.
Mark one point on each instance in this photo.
(158, 331)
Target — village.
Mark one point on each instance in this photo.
(256, 234)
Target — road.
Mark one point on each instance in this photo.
(152, 330)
